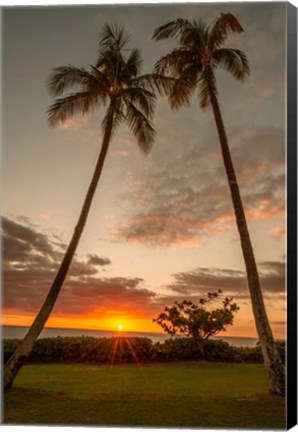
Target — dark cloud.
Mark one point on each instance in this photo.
(14, 250)
(278, 323)
(92, 294)
(26, 291)
(98, 261)
(231, 282)
(25, 248)
(81, 269)
(273, 267)
(31, 261)
(28, 275)
(24, 236)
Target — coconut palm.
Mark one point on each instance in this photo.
(115, 83)
(199, 53)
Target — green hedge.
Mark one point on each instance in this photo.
(84, 349)
(127, 350)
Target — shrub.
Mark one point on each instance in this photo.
(175, 349)
(8, 348)
(85, 349)
(135, 349)
(218, 350)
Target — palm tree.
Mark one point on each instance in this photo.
(193, 64)
(114, 82)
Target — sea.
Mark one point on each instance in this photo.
(18, 332)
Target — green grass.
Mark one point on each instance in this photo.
(178, 394)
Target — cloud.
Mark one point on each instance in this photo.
(181, 196)
(119, 153)
(277, 232)
(97, 261)
(74, 124)
(91, 294)
(79, 296)
(45, 215)
(31, 262)
(278, 323)
(231, 282)
(29, 271)
(24, 236)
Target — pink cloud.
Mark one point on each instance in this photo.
(119, 153)
(248, 176)
(277, 232)
(265, 210)
(174, 229)
(171, 230)
(74, 123)
(45, 215)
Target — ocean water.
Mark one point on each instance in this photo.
(12, 332)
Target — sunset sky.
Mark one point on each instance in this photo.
(161, 227)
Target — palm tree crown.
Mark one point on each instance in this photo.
(113, 81)
(199, 53)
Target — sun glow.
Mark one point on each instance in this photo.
(120, 327)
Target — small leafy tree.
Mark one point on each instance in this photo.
(197, 321)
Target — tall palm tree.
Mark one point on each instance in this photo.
(114, 82)
(193, 64)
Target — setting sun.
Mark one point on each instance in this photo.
(120, 327)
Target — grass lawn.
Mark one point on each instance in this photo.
(174, 394)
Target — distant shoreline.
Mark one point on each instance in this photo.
(80, 329)
(16, 332)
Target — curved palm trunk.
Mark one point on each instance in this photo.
(272, 361)
(18, 358)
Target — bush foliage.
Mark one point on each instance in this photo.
(196, 320)
(134, 349)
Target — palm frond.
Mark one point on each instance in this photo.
(108, 62)
(232, 60)
(163, 84)
(134, 63)
(194, 35)
(183, 64)
(222, 26)
(66, 77)
(99, 84)
(174, 60)
(113, 36)
(180, 94)
(206, 85)
(170, 30)
(64, 108)
(110, 58)
(184, 87)
(140, 126)
(142, 98)
(164, 63)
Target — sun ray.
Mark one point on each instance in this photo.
(114, 350)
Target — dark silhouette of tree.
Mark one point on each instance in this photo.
(193, 63)
(196, 320)
(116, 84)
